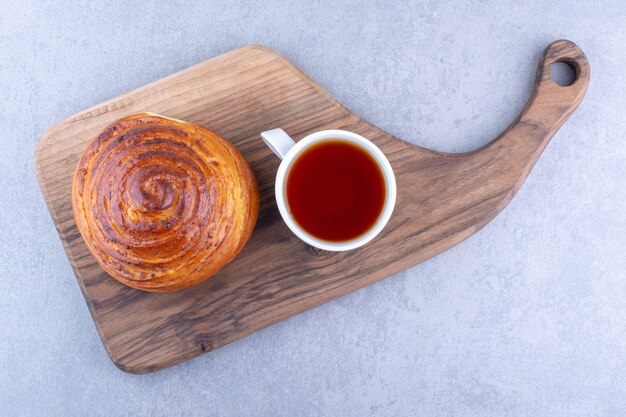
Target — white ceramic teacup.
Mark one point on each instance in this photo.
(288, 150)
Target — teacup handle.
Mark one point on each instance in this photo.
(278, 141)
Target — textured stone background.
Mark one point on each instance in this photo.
(527, 317)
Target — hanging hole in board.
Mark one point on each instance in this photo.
(563, 73)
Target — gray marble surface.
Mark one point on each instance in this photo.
(527, 317)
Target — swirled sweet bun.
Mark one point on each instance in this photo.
(163, 204)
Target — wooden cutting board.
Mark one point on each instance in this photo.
(442, 199)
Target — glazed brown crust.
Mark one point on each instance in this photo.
(163, 204)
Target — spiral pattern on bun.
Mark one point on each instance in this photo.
(163, 204)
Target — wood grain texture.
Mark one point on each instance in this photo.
(442, 199)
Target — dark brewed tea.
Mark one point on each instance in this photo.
(335, 190)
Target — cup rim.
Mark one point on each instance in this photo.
(379, 157)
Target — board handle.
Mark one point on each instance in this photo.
(550, 104)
